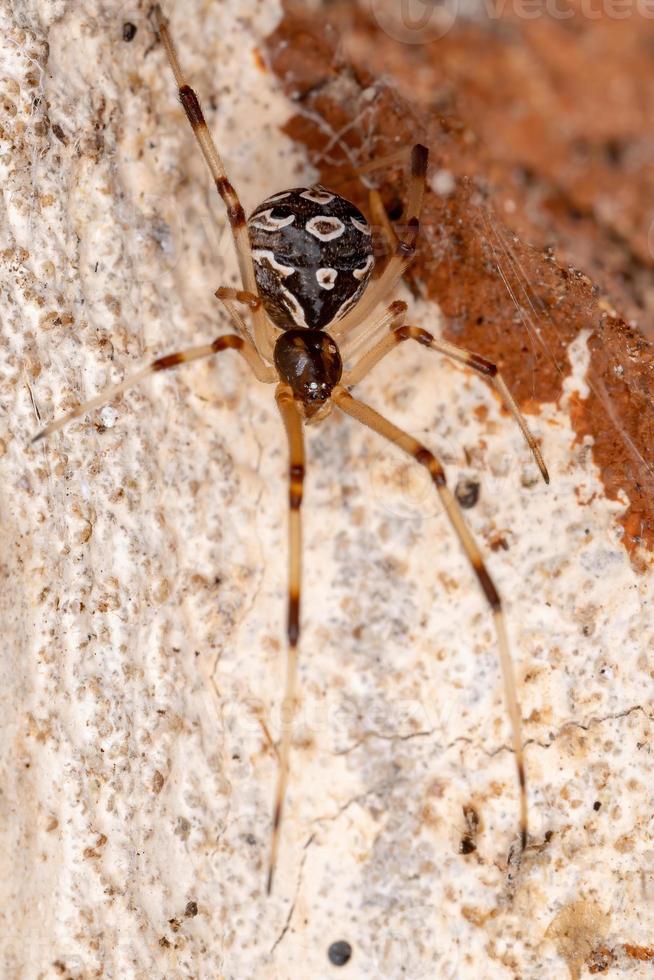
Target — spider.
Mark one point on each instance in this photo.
(306, 259)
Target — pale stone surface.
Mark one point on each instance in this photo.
(143, 563)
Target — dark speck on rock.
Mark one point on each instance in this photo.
(339, 952)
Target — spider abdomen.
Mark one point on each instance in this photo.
(313, 256)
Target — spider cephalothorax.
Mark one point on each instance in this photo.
(309, 361)
(313, 256)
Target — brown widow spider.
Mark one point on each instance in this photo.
(306, 258)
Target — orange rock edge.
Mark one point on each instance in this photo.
(499, 237)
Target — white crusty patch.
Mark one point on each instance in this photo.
(327, 277)
(362, 226)
(364, 269)
(266, 222)
(261, 255)
(325, 228)
(318, 195)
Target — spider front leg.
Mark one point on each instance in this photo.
(474, 361)
(230, 298)
(372, 327)
(226, 294)
(235, 212)
(369, 417)
(225, 342)
(293, 425)
(381, 221)
(195, 116)
(404, 251)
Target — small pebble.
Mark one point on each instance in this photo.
(467, 492)
(339, 953)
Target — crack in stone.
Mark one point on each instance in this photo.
(491, 753)
(329, 818)
(386, 738)
(297, 892)
(592, 723)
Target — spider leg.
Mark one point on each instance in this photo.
(189, 100)
(363, 169)
(378, 163)
(351, 336)
(368, 416)
(474, 361)
(235, 212)
(251, 300)
(293, 425)
(381, 221)
(370, 328)
(230, 298)
(405, 248)
(225, 342)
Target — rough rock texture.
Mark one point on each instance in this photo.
(143, 556)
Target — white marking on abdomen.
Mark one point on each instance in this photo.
(331, 228)
(363, 270)
(294, 307)
(327, 277)
(261, 255)
(266, 222)
(362, 227)
(318, 195)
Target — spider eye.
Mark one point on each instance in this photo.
(316, 391)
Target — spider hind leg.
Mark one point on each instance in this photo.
(293, 425)
(368, 416)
